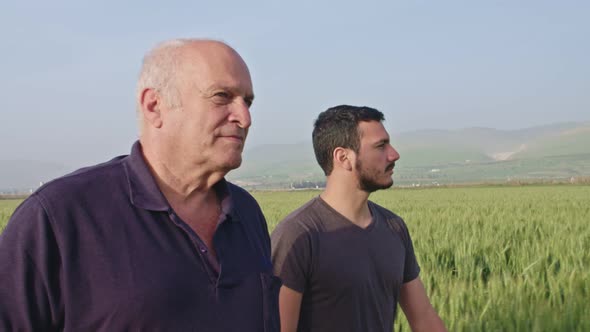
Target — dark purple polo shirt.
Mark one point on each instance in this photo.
(102, 250)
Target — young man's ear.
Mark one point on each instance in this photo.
(151, 107)
(343, 158)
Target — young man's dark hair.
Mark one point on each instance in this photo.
(338, 127)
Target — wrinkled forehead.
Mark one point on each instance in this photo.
(212, 63)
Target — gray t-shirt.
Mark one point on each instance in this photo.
(350, 277)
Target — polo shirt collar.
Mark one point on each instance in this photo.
(145, 193)
(143, 190)
(228, 212)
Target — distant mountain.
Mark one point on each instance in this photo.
(443, 156)
(566, 142)
(433, 147)
(557, 151)
(277, 163)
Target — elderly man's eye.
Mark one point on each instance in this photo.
(221, 97)
(222, 94)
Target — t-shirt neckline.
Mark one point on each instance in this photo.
(348, 221)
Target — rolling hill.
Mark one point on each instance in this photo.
(557, 151)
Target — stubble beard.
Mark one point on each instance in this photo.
(368, 179)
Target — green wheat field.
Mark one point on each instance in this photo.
(492, 258)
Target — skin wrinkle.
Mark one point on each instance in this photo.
(191, 148)
(206, 71)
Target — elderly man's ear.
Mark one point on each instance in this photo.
(151, 107)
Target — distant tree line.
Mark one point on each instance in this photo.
(308, 184)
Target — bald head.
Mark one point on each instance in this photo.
(194, 100)
(164, 66)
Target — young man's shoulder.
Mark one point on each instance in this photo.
(302, 220)
(394, 221)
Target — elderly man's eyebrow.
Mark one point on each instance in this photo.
(233, 89)
(213, 89)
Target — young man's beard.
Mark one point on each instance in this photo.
(368, 178)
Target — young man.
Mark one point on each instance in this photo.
(346, 262)
(156, 240)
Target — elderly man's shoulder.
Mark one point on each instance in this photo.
(86, 183)
(85, 179)
(238, 191)
(68, 198)
(241, 197)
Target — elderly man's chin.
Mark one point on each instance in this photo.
(231, 162)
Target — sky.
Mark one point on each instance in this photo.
(68, 68)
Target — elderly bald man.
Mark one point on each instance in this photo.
(156, 240)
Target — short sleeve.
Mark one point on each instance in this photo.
(411, 267)
(29, 262)
(291, 254)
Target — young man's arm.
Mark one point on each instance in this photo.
(289, 308)
(417, 308)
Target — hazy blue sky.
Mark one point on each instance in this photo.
(69, 67)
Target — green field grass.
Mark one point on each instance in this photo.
(495, 258)
(492, 258)
(7, 206)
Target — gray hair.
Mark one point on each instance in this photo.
(160, 65)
